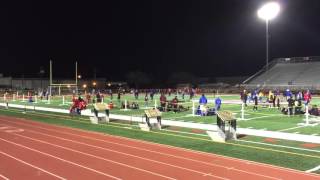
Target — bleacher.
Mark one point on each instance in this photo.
(288, 73)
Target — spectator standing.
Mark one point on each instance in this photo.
(218, 103)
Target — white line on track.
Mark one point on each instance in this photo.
(175, 148)
(179, 157)
(101, 158)
(36, 167)
(55, 157)
(3, 177)
(210, 155)
(313, 169)
(118, 152)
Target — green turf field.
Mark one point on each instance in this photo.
(265, 118)
(292, 154)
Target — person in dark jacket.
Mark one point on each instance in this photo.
(290, 106)
(255, 99)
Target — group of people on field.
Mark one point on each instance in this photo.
(293, 100)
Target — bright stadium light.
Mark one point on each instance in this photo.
(267, 12)
(84, 86)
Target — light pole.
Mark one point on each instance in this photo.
(267, 12)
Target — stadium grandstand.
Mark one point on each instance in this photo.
(294, 73)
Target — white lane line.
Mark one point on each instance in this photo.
(60, 159)
(126, 154)
(101, 158)
(24, 122)
(313, 169)
(36, 167)
(203, 153)
(143, 149)
(3, 177)
(314, 134)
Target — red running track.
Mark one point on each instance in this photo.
(33, 150)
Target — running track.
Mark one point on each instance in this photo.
(33, 150)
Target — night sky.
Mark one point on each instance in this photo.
(206, 38)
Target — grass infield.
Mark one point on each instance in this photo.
(265, 118)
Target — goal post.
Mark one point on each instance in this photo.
(61, 88)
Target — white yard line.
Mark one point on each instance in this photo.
(313, 169)
(283, 146)
(261, 117)
(291, 128)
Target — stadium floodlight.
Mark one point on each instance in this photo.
(267, 12)
(84, 85)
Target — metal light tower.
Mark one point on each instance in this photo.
(267, 12)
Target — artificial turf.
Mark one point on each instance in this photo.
(265, 118)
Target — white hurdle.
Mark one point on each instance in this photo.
(23, 99)
(155, 104)
(13, 97)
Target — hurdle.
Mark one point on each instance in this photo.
(13, 97)
(155, 104)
